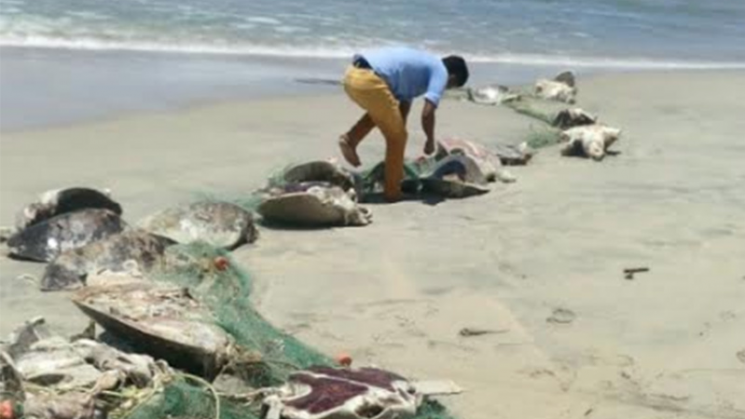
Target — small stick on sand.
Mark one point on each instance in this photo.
(468, 332)
(630, 272)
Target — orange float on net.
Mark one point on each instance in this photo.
(6, 410)
(221, 263)
(344, 359)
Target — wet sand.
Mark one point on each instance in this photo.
(396, 293)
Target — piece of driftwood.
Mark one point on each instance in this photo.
(630, 272)
(468, 332)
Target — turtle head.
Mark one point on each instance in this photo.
(595, 150)
(58, 277)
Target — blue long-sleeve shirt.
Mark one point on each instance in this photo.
(409, 73)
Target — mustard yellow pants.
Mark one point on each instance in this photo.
(373, 95)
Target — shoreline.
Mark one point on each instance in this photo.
(94, 86)
(395, 293)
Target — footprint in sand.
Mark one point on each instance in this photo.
(562, 316)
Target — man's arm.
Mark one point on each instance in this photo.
(428, 125)
(437, 82)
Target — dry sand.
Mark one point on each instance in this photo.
(397, 292)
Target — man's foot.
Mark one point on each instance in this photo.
(429, 148)
(349, 152)
(393, 198)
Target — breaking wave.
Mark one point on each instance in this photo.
(344, 52)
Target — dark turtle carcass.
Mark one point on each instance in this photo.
(61, 201)
(455, 176)
(573, 117)
(46, 240)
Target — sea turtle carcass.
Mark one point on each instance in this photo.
(513, 155)
(46, 240)
(319, 171)
(130, 251)
(67, 405)
(313, 204)
(590, 141)
(488, 162)
(221, 224)
(573, 117)
(57, 378)
(61, 201)
(52, 361)
(455, 176)
(562, 88)
(492, 95)
(459, 169)
(330, 393)
(313, 194)
(161, 320)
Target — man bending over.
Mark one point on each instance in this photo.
(383, 82)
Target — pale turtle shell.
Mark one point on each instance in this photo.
(317, 206)
(161, 320)
(220, 224)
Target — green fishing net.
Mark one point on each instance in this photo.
(370, 182)
(227, 293)
(185, 398)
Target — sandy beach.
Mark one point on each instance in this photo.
(397, 292)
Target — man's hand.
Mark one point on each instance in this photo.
(428, 125)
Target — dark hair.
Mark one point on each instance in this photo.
(456, 66)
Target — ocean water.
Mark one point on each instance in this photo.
(67, 61)
(606, 33)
